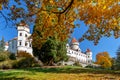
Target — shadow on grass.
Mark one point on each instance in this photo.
(72, 70)
(6, 76)
(11, 78)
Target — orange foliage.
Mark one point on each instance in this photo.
(104, 60)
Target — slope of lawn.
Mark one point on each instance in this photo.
(61, 73)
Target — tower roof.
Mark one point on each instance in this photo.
(73, 40)
(88, 50)
(23, 24)
(6, 44)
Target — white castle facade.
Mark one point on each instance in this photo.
(23, 42)
(74, 52)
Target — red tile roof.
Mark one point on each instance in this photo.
(73, 40)
(88, 50)
(6, 44)
(15, 38)
(23, 24)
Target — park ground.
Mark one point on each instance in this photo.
(59, 73)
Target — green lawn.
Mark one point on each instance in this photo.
(62, 73)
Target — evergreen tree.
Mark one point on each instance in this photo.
(51, 52)
(2, 44)
(117, 61)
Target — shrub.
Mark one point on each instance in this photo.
(4, 56)
(12, 56)
(6, 64)
(26, 62)
(23, 54)
(77, 64)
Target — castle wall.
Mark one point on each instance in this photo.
(81, 57)
(12, 46)
(85, 58)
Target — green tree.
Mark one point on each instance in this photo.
(113, 67)
(2, 44)
(51, 52)
(117, 60)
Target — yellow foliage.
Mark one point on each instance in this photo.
(104, 60)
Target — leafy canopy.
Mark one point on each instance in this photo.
(57, 16)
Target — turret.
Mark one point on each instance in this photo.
(89, 56)
(23, 27)
(75, 45)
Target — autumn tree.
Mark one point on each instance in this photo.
(104, 60)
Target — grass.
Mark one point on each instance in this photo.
(61, 73)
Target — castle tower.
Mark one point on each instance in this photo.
(75, 45)
(88, 56)
(23, 43)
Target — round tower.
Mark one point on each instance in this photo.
(75, 44)
(89, 56)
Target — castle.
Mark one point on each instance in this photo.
(23, 42)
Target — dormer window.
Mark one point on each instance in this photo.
(20, 34)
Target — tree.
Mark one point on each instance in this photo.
(104, 60)
(113, 67)
(117, 60)
(3, 3)
(2, 44)
(51, 52)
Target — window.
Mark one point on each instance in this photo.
(30, 45)
(25, 35)
(26, 44)
(20, 34)
(20, 43)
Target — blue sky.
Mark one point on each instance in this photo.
(105, 44)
